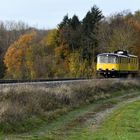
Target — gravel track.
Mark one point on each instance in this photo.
(100, 116)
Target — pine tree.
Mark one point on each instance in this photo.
(90, 30)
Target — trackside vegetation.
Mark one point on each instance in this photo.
(70, 49)
(26, 108)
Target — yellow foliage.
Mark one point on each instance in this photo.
(49, 40)
(15, 57)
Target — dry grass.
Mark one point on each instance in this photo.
(24, 107)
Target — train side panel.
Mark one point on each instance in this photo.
(123, 64)
(133, 65)
(107, 66)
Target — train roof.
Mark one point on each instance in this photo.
(130, 55)
(112, 54)
(118, 55)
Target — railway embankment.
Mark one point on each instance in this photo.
(27, 107)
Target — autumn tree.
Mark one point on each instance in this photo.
(45, 53)
(134, 21)
(17, 61)
(116, 33)
(9, 32)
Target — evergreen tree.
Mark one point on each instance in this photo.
(75, 23)
(90, 30)
(65, 22)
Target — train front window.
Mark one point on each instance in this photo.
(107, 59)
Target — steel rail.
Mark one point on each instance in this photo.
(8, 81)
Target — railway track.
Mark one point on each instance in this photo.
(39, 80)
(58, 81)
(42, 82)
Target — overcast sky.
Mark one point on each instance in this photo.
(49, 13)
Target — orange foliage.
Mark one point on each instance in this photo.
(15, 57)
(135, 24)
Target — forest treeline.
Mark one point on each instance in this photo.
(70, 50)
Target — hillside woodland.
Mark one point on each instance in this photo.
(70, 50)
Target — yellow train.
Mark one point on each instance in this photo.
(117, 64)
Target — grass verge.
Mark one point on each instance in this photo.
(25, 108)
(123, 124)
(78, 124)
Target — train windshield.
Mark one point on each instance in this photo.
(107, 59)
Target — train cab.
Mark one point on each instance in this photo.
(117, 64)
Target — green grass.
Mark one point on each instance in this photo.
(26, 108)
(30, 112)
(62, 124)
(123, 124)
(72, 126)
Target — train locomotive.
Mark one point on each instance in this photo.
(117, 64)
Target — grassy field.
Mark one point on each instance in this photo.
(77, 124)
(32, 109)
(123, 124)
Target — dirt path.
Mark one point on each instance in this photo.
(89, 116)
(100, 116)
